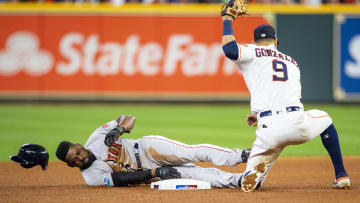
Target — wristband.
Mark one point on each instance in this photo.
(227, 28)
(120, 129)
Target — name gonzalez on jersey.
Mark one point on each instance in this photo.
(261, 52)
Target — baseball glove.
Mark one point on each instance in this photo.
(234, 8)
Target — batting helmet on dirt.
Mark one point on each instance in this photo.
(31, 155)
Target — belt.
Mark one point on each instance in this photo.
(288, 109)
(137, 156)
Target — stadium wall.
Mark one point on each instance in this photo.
(151, 52)
(310, 42)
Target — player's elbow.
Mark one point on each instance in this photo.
(96, 179)
(92, 183)
(231, 50)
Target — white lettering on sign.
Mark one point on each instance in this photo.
(194, 62)
(22, 52)
(89, 52)
(174, 52)
(149, 59)
(89, 56)
(68, 51)
(213, 59)
(109, 61)
(131, 46)
(352, 68)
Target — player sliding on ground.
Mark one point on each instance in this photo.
(108, 159)
(273, 79)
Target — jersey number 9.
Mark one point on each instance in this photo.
(281, 70)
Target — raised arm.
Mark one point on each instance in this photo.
(228, 34)
(125, 125)
(229, 12)
(230, 47)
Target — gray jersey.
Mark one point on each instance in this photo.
(119, 157)
(154, 152)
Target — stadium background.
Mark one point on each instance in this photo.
(65, 69)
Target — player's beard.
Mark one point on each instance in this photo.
(87, 164)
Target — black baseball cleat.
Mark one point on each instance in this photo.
(245, 155)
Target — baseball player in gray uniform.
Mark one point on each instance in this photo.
(106, 158)
(273, 79)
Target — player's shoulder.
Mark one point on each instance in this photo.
(94, 175)
(109, 125)
(105, 128)
(246, 45)
(98, 166)
(99, 134)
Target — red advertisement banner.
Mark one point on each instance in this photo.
(109, 54)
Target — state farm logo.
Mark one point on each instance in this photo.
(88, 55)
(22, 52)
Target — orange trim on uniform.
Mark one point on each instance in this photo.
(318, 116)
(240, 53)
(187, 146)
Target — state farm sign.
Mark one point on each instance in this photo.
(131, 57)
(161, 55)
(22, 52)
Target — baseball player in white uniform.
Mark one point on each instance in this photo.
(273, 80)
(106, 158)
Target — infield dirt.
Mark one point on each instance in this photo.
(291, 180)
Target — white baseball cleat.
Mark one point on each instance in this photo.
(252, 178)
(342, 183)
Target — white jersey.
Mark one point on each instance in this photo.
(273, 78)
(119, 157)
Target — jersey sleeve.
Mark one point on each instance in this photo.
(99, 173)
(246, 54)
(107, 127)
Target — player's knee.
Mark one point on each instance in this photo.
(329, 120)
(314, 113)
(326, 117)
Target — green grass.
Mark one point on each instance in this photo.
(222, 125)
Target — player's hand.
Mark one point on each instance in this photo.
(252, 120)
(128, 122)
(167, 172)
(113, 135)
(234, 8)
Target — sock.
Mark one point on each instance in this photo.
(330, 141)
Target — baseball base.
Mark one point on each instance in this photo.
(180, 184)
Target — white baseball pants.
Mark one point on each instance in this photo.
(279, 130)
(156, 151)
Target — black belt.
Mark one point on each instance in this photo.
(137, 156)
(288, 109)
